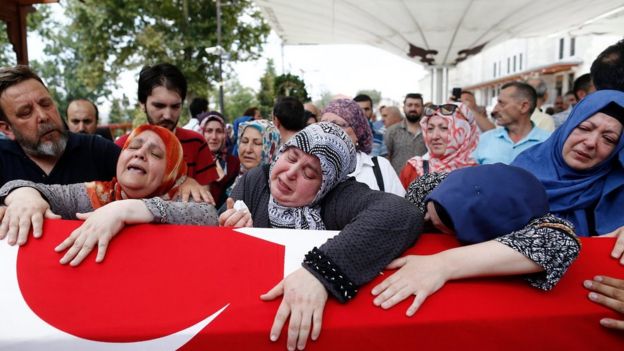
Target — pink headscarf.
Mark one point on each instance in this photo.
(462, 141)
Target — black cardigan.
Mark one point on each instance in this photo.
(375, 227)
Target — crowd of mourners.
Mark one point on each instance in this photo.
(517, 188)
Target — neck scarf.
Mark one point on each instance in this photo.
(351, 112)
(570, 192)
(101, 193)
(485, 202)
(336, 153)
(462, 141)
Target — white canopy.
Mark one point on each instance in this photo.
(434, 32)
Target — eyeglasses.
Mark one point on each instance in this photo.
(446, 109)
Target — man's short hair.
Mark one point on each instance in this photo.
(250, 112)
(584, 83)
(162, 74)
(10, 76)
(413, 96)
(289, 111)
(363, 97)
(467, 92)
(97, 112)
(197, 106)
(523, 90)
(607, 70)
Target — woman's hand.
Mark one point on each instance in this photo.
(608, 292)
(25, 208)
(304, 301)
(618, 248)
(190, 188)
(417, 275)
(235, 218)
(100, 227)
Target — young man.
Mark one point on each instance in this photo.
(162, 90)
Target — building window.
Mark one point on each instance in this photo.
(494, 74)
(520, 62)
(500, 65)
(560, 48)
(508, 64)
(572, 46)
(514, 63)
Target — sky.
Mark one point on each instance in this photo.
(338, 69)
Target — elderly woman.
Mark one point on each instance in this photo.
(213, 129)
(580, 170)
(503, 212)
(376, 172)
(149, 172)
(451, 135)
(258, 142)
(307, 188)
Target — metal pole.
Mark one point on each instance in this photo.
(221, 109)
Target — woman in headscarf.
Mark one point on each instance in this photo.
(308, 188)
(502, 213)
(451, 135)
(213, 129)
(376, 172)
(580, 168)
(258, 142)
(149, 173)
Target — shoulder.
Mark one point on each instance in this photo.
(188, 135)
(92, 143)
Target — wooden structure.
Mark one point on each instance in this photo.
(13, 13)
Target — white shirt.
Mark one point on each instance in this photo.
(364, 174)
(193, 125)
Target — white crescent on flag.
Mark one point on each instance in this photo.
(20, 327)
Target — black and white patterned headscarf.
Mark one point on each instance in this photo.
(336, 153)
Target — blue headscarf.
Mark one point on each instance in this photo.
(571, 192)
(487, 201)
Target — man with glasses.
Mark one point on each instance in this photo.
(404, 140)
(516, 132)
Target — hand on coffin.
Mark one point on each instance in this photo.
(25, 208)
(608, 292)
(304, 301)
(618, 248)
(100, 227)
(417, 275)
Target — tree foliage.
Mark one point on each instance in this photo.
(238, 99)
(103, 38)
(266, 95)
(291, 85)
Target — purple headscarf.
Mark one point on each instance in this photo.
(351, 112)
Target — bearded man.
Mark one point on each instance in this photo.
(404, 140)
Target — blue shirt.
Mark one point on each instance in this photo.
(379, 148)
(496, 146)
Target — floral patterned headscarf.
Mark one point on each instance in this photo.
(270, 140)
(101, 193)
(351, 112)
(462, 141)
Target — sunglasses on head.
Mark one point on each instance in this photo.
(446, 109)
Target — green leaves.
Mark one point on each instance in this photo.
(99, 39)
